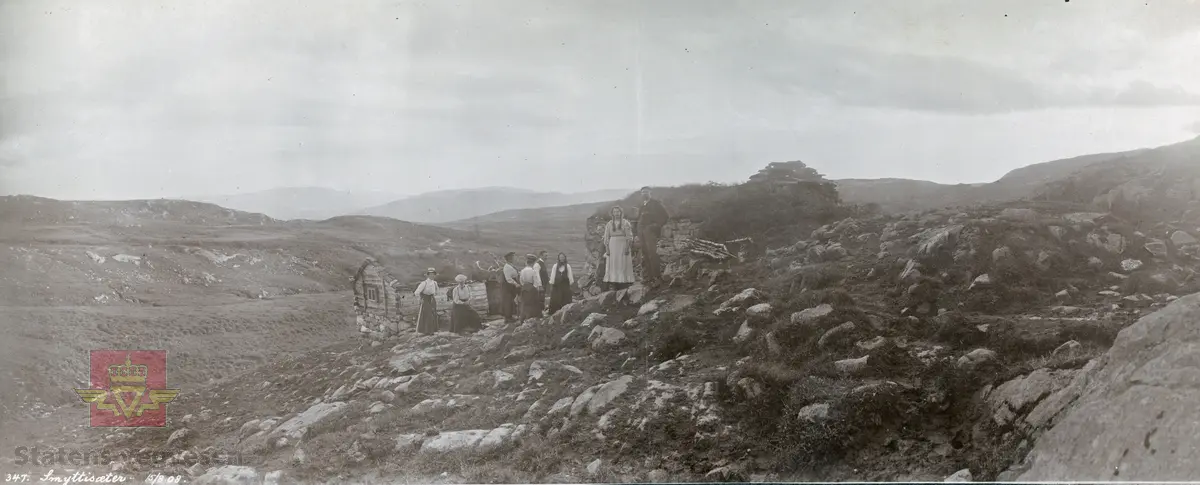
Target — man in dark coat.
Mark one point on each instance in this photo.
(651, 219)
(543, 272)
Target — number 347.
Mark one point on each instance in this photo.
(9, 477)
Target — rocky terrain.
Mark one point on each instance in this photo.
(186, 276)
(917, 347)
(1014, 340)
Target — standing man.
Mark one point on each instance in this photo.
(508, 302)
(543, 273)
(651, 219)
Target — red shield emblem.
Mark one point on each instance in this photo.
(128, 388)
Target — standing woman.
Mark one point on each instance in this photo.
(531, 290)
(427, 321)
(463, 318)
(561, 280)
(618, 240)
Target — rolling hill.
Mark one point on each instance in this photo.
(187, 277)
(314, 203)
(456, 205)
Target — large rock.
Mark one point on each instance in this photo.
(228, 475)
(603, 338)
(747, 297)
(596, 398)
(297, 427)
(454, 440)
(1135, 417)
(811, 315)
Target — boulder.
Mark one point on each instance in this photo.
(851, 366)
(811, 315)
(648, 308)
(297, 427)
(593, 319)
(603, 338)
(963, 475)
(759, 311)
(228, 475)
(747, 297)
(1131, 265)
(1181, 239)
(1134, 419)
(744, 333)
(980, 281)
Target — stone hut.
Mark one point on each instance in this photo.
(376, 304)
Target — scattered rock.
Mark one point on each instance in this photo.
(179, 438)
(836, 335)
(963, 475)
(1067, 347)
(593, 320)
(745, 332)
(1181, 239)
(814, 412)
(749, 296)
(593, 468)
(981, 281)
(648, 308)
(297, 427)
(851, 366)
(1157, 248)
(976, 357)
(912, 271)
(1131, 265)
(454, 440)
(228, 475)
(811, 315)
(603, 338)
(759, 311)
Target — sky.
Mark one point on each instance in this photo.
(125, 99)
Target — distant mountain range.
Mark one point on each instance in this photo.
(456, 205)
(318, 203)
(315, 203)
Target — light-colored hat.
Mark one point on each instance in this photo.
(430, 271)
(462, 278)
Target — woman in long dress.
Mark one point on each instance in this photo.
(463, 318)
(531, 290)
(427, 320)
(618, 240)
(561, 278)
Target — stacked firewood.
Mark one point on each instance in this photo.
(708, 249)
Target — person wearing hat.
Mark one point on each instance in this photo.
(427, 321)
(531, 290)
(463, 318)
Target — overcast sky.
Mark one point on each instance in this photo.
(143, 98)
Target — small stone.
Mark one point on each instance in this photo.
(593, 468)
(814, 412)
(851, 366)
(981, 281)
(1067, 347)
(1131, 265)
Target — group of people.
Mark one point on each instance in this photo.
(463, 318)
(619, 240)
(525, 291)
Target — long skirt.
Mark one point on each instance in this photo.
(531, 302)
(464, 319)
(560, 296)
(619, 265)
(427, 320)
